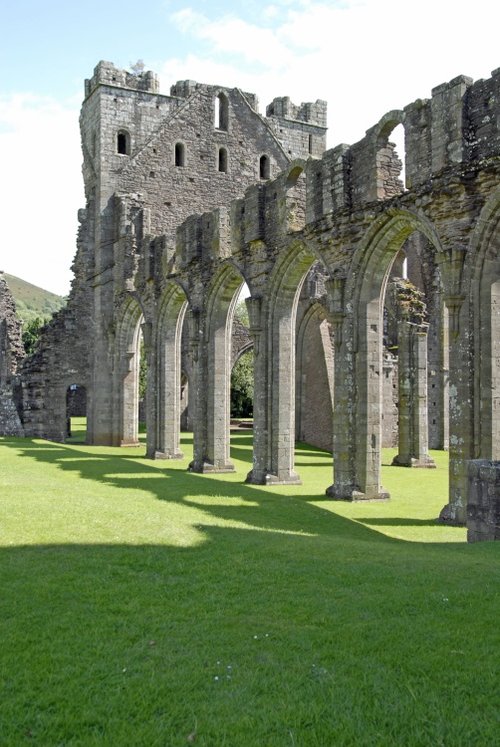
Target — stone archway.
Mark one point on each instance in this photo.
(275, 352)
(485, 337)
(211, 401)
(357, 418)
(126, 374)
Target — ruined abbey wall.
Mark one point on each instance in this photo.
(11, 358)
(347, 211)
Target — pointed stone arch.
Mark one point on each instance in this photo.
(126, 373)
(314, 378)
(483, 279)
(211, 417)
(274, 391)
(358, 411)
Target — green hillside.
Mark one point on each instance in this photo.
(31, 301)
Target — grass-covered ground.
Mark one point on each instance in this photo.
(143, 605)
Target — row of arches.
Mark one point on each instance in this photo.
(356, 285)
(273, 329)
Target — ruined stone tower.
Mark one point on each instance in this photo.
(149, 161)
(189, 196)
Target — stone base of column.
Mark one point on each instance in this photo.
(408, 461)
(452, 515)
(353, 494)
(126, 444)
(257, 477)
(206, 468)
(167, 455)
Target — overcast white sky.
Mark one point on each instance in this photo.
(365, 57)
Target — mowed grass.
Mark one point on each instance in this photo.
(143, 605)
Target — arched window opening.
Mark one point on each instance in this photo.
(310, 144)
(221, 112)
(123, 143)
(264, 167)
(223, 160)
(391, 171)
(180, 154)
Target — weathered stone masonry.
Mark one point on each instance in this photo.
(11, 357)
(151, 162)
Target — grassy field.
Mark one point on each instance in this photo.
(143, 605)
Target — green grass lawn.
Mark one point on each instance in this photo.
(144, 605)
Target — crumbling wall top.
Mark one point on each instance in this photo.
(11, 345)
(105, 73)
(313, 113)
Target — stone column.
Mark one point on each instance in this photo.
(274, 399)
(168, 378)
(259, 472)
(219, 395)
(149, 350)
(198, 391)
(281, 362)
(461, 415)
(356, 448)
(129, 399)
(344, 486)
(413, 414)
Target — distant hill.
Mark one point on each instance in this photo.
(32, 301)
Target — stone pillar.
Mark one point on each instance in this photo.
(129, 399)
(274, 399)
(198, 391)
(149, 350)
(413, 414)
(168, 378)
(483, 507)
(344, 486)
(219, 394)
(209, 397)
(461, 415)
(259, 472)
(356, 449)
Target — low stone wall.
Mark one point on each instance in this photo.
(483, 508)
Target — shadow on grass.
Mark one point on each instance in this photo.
(295, 621)
(259, 508)
(396, 521)
(244, 640)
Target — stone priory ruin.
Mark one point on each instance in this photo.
(374, 304)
